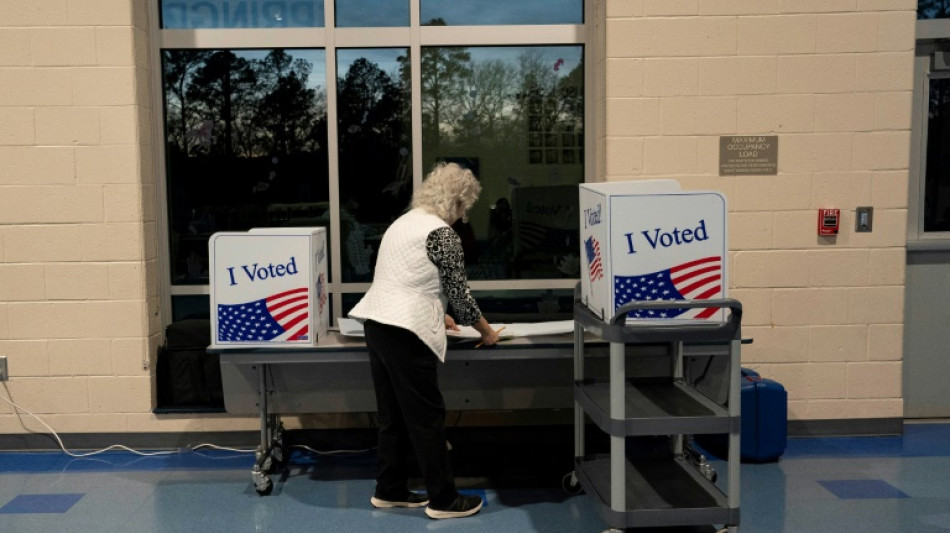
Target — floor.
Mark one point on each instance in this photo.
(834, 485)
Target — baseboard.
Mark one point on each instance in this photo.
(136, 441)
(852, 427)
(345, 437)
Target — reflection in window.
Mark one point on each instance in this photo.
(486, 12)
(526, 306)
(375, 137)
(193, 14)
(245, 134)
(515, 116)
(191, 306)
(372, 13)
(937, 179)
(933, 9)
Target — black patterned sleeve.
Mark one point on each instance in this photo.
(445, 250)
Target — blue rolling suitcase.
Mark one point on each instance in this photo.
(764, 431)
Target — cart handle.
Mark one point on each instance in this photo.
(734, 306)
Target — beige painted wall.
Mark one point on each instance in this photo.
(79, 320)
(833, 80)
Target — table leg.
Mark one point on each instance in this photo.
(262, 465)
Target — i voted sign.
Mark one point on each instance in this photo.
(268, 288)
(653, 245)
(258, 272)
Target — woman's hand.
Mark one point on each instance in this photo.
(450, 323)
(489, 335)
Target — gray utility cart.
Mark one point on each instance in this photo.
(670, 485)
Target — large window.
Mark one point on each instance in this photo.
(329, 113)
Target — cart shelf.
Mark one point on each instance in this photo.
(654, 407)
(660, 492)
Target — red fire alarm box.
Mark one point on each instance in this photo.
(828, 221)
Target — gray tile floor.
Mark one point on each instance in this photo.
(827, 485)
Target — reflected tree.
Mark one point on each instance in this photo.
(375, 129)
(179, 69)
(221, 88)
(933, 9)
(445, 75)
(288, 111)
(221, 103)
(547, 102)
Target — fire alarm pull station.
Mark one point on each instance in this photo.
(828, 221)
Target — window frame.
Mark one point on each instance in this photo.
(928, 32)
(330, 38)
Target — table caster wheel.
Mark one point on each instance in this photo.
(571, 484)
(265, 488)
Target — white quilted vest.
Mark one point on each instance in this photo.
(406, 291)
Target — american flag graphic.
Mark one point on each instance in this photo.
(595, 268)
(279, 317)
(695, 280)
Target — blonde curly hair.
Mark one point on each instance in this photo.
(448, 192)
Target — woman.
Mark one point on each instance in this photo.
(419, 269)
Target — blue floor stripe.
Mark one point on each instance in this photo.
(40, 503)
(852, 489)
(918, 440)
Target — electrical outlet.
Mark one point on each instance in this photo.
(3, 368)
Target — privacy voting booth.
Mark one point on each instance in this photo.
(268, 287)
(647, 241)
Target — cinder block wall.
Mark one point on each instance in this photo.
(833, 80)
(79, 320)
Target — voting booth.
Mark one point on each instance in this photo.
(647, 241)
(268, 287)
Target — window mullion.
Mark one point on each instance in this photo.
(415, 57)
(333, 161)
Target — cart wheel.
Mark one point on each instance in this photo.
(277, 452)
(707, 470)
(265, 488)
(570, 484)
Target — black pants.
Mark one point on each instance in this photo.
(411, 413)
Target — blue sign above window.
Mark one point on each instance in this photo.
(192, 14)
